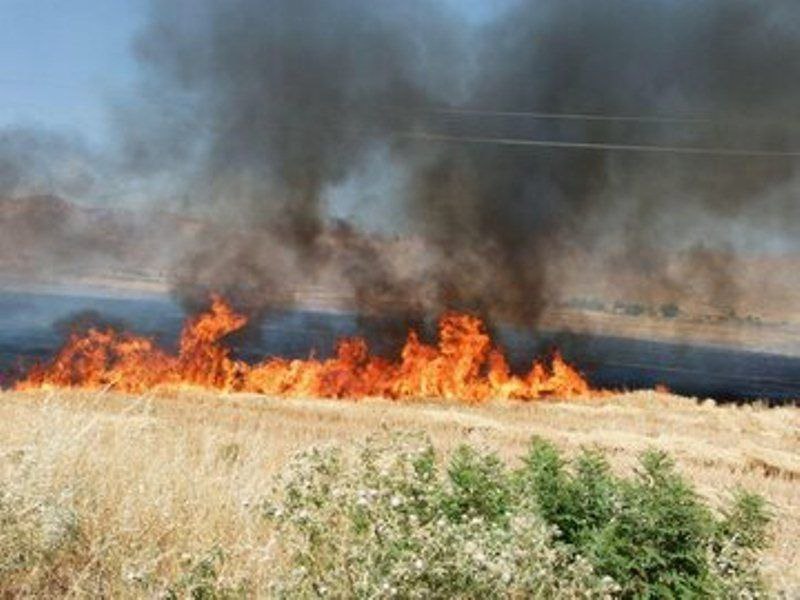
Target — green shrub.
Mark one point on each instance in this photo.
(388, 522)
(651, 533)
(739, 536)
(669, 310)
(479, 487)
(200, 580)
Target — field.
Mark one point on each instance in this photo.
(161, 481)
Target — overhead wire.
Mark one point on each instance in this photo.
(589, 117)
(422, 135)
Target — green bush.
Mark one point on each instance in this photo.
(200, 580)
(650, 533)
(389, 522)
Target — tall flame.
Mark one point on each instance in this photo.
(463, 365)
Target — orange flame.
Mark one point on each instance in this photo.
(464, 365)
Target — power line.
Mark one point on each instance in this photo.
(558, 116)
(556, 144)
(553, 144)
(579, 116)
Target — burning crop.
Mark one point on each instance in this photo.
(464, 364)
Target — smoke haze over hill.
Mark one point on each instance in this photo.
(304, 129)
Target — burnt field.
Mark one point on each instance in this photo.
(33, 325)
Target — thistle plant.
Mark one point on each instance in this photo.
(392, 520)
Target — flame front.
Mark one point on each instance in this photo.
(463, 365)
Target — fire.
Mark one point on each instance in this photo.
(464, 365)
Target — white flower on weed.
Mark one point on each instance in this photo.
(395, 501)
(609, 582)
(419, 564)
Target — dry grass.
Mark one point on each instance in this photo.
(155, 479)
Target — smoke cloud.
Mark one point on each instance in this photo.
(36, 162)
(284, 100)
(262, 110)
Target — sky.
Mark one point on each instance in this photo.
(62, 61)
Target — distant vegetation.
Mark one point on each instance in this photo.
(666, 310)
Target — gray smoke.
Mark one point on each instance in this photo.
(40, 233)
(712, 60)
(260, 108)
(282, 100)
(36, 162)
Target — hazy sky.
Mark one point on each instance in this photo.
(61, 61)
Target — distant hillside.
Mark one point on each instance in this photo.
(45, 236)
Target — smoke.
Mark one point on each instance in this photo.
(521, 208)
(283, 100)
(258, 113)
(38, 162)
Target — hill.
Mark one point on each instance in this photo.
(46, 240)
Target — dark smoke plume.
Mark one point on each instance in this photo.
(712, 60)
(283, 100)
(261, 108)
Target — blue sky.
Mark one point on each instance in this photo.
(61, 61)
